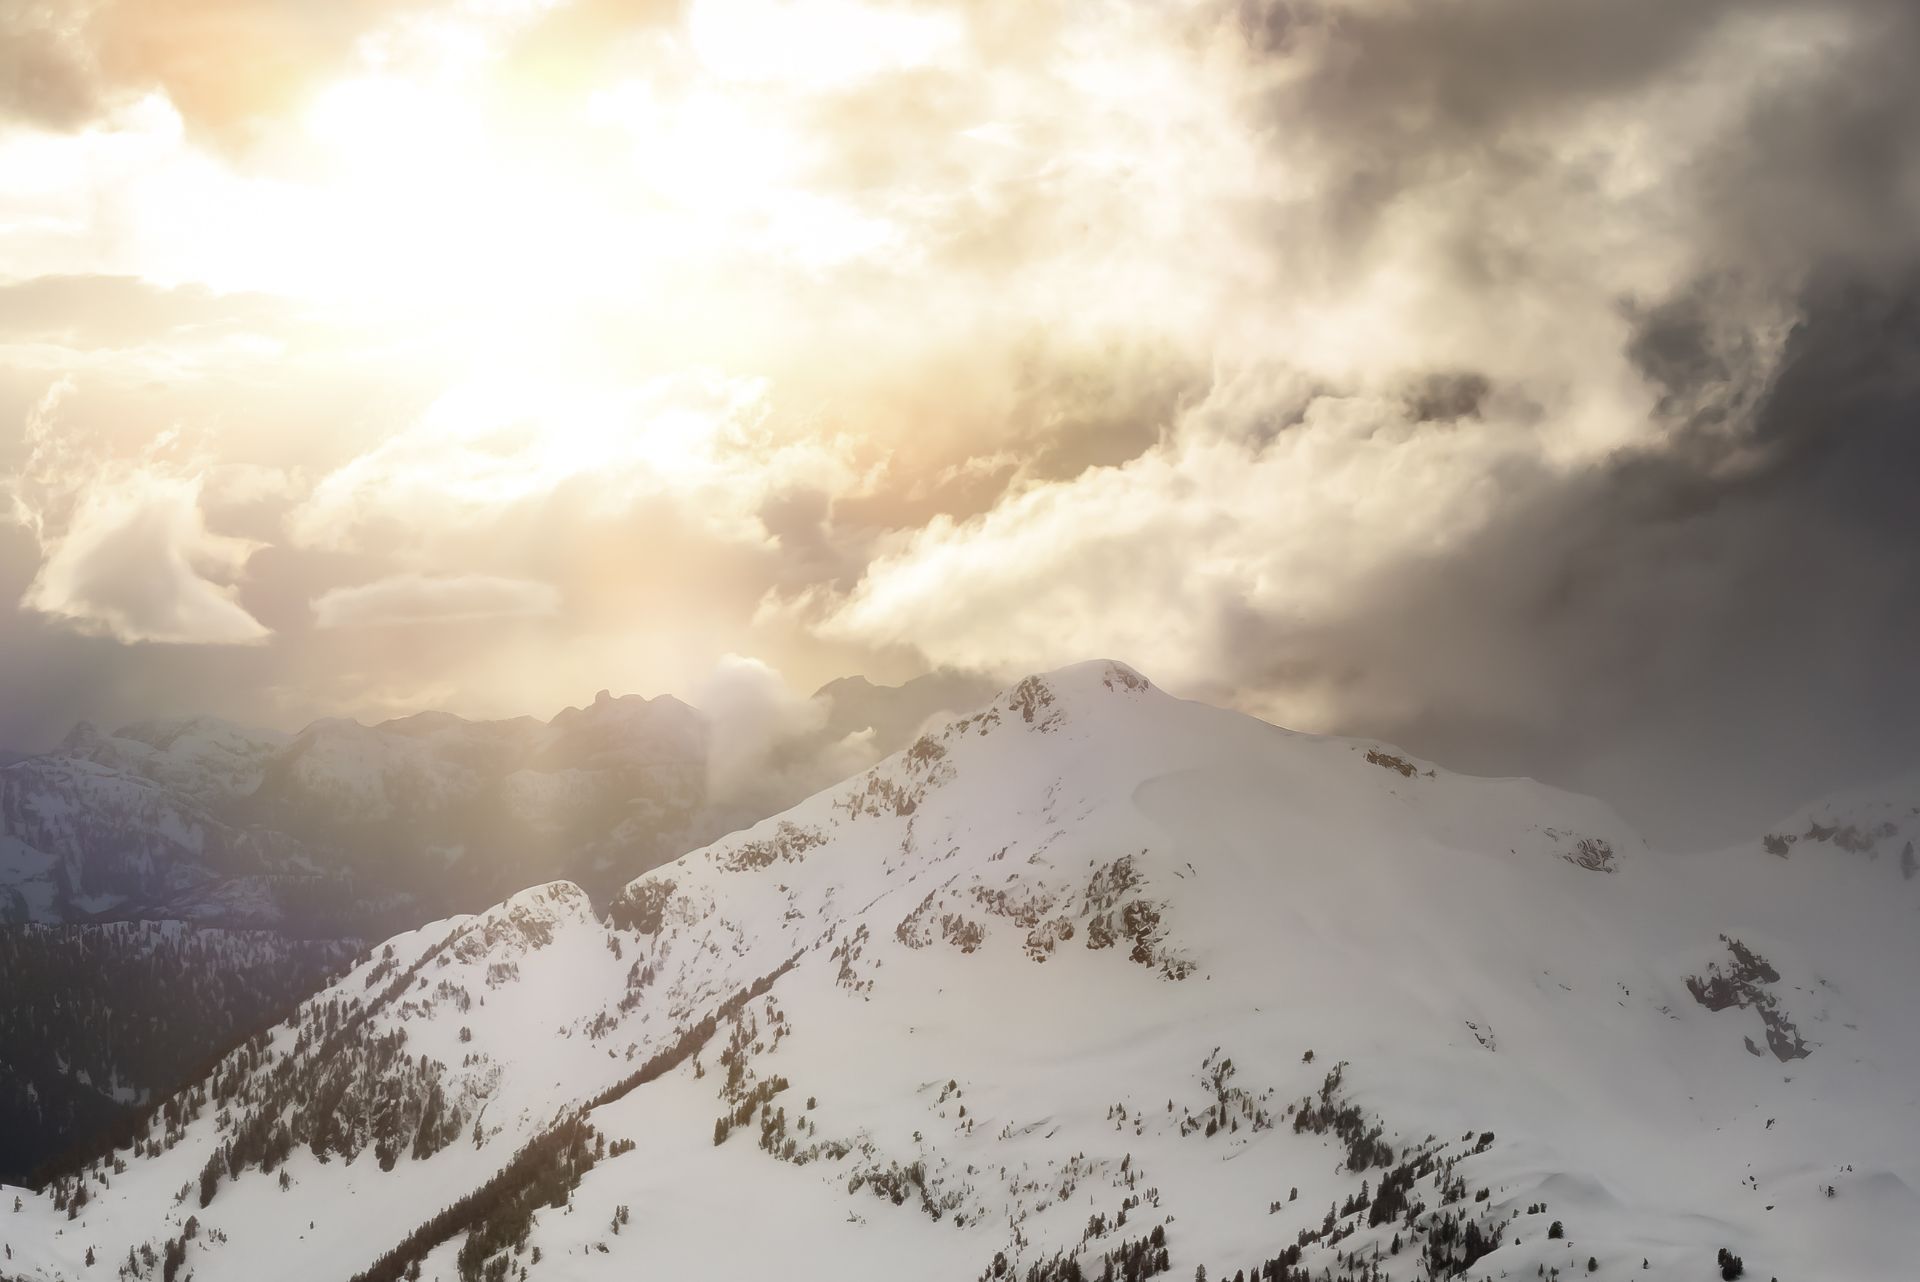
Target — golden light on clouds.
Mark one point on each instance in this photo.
(535, 346)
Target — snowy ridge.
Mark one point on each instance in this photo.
(1873, 825)
(1091, 978)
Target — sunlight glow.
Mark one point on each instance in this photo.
(819, 43)
(420, 190)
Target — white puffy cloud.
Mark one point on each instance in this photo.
(136, 561)
(125, 547)
(1160, 559)
(766, 738)
(494, 446)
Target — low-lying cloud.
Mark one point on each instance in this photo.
(766, 744)
(424, 598)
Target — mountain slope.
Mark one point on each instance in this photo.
(342, 832)
(1092, 977)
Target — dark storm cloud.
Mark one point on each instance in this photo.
(1738, 615)
(1717, 201)
(1748, 587)
(1736, 602)
(1819, 161)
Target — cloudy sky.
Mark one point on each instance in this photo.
(1530, 384)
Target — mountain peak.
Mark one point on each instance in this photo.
(1046, 700)
(1096, 675)
(537, 909)
(843, 685)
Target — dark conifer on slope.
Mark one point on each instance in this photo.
(98, 1021)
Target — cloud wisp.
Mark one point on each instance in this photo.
(406, 599)
(127, 552)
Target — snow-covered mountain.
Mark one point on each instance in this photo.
(79, 837)
(205, 759)
(342, 832)
(1093, 982)
(1878, 825)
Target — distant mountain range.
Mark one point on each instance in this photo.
(1090, 983)
(258, 862)
(351, 829)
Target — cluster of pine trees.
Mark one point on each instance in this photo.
(1332, 1113)
(1131, 1261)
(547, 1169)
(499, 1214)
(1230, 1105)
(337, 1089)
(342, 1090)
(1454, 1243)
(136, 1007)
